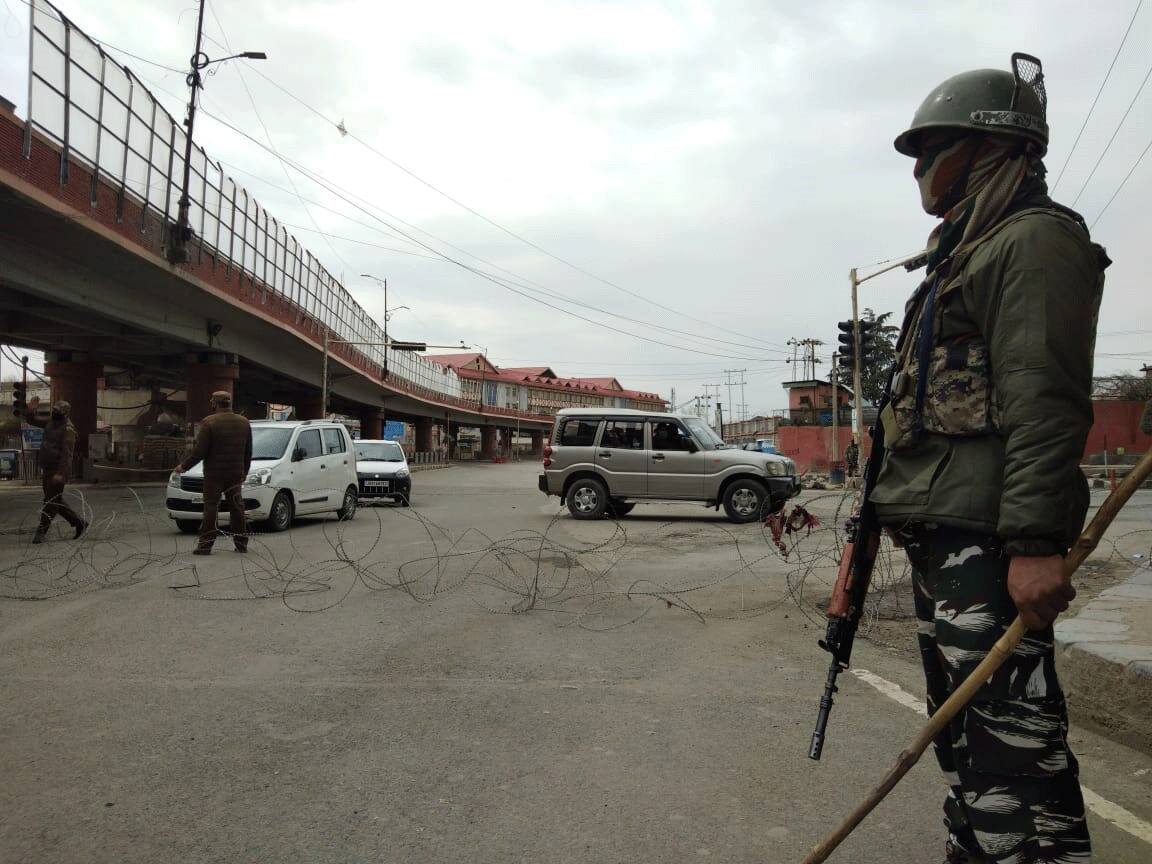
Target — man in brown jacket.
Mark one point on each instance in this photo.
(224, 444)
(55, 460)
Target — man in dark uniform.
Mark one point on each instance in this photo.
(55, 460)
(852, 458)
(224, 445)
(985, 422)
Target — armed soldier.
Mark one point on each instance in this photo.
(224, 444)
(55, 461)
(986, 419)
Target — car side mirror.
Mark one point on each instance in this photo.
(692, 448)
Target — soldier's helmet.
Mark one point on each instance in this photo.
(62, 407)
(986, 100)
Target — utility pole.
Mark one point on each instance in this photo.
(832, 375)
(719, 419)
(178, 250)
(912, 262)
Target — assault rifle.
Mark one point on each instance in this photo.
(851, 588)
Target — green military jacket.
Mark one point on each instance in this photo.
(224, 443)
(1007, 402)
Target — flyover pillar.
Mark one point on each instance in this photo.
(372, 424)
(537, 436)
(74, 378)
(205, 372)
(308, 407)
(423, 435)
(487, 442)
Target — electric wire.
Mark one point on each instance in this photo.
(1115, 132)
(492, 222)
(271, 143)
(1123, 182)
(516, 288)
(1092, 107)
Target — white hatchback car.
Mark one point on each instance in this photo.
(383, 471)
(299, 468)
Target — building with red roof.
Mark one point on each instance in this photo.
(538, 389)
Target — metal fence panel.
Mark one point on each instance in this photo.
(98, 112)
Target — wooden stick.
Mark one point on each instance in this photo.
(1000, 652)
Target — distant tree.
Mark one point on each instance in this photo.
(878, 358)
(1125, 386)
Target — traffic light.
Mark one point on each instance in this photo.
(848, 340)
(847, 358)
(19, 398)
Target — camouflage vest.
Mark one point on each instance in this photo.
(946, 388)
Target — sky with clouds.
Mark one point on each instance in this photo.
(706, 172)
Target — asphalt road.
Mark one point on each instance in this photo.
(472, 680)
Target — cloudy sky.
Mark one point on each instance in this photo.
(710, 170)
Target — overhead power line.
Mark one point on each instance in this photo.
(1115, 132)
(762, 344)
(1123, 182)
(271, 143)
(542, 250)
(504, 283)
(1092, 107)
(517, 280)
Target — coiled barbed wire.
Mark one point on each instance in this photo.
(592, 584)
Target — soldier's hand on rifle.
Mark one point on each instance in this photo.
(1040, 588)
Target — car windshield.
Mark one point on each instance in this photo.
(379, 451)
(703, 434)
(269, 442)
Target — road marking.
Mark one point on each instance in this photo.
(1123, 819)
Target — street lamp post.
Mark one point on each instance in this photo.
(178, 250)
(396, 346)
(912, 262)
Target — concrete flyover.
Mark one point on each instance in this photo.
(84, 277)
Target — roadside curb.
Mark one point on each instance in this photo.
(415, 468)
(1105, 655)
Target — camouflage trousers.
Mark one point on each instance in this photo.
(1015, 790)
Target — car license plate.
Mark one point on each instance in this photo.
(378, 486)
(197, 499)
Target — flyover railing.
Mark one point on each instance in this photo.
(99, 114)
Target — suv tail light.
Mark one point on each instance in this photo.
(547, 453)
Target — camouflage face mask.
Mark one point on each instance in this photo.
(941, 172)
(968, 184)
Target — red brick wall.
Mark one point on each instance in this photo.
(809, 446)
(1117, 424)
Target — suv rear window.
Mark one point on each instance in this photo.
(579, 433)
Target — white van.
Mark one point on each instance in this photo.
(299, 468)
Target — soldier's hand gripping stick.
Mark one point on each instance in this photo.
(1000, 652)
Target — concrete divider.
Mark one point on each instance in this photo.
(1105, 657)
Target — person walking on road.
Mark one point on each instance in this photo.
(985, 421)
(55, 461)
(224, 445)
(852, 458)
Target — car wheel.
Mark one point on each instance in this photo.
(187, 526)
(281, 513)
(745, 501)
(587, 499)
(347, 510)
(617, 509)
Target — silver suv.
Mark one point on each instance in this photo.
(603, 461)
